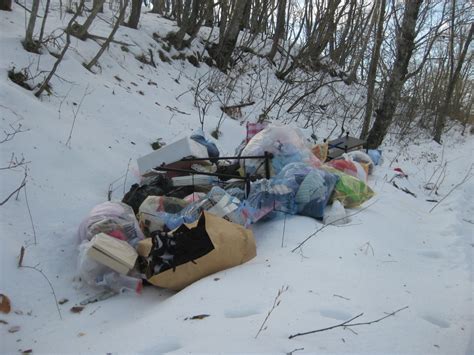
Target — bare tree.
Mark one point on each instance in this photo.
(373, 68)
(223, 52)
(391, 95)
(134, 17)
(29, 43)
(6, 5)
(110, 38)
(46, 81)
(280, 28)
(453, 78)
(80, 31)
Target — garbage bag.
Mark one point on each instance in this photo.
(154, 186)
(195, 196)
(361, 158)
(102, 277)
(176, 260)
(321, 151)
(212, 150)
(314, 193)
(335, 214)
(375, 155)
(158, 212)
(346, 166)
(287, 144)
(113, 218)
(267, 196)
(350, 191)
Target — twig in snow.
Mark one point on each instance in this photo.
(22, 255)
(283, 234)
(348, 323)
(86, 93)
(367, 246)
(294, 350)
(329, 224)
(17, 190)
(49, 283)
(29, 213)
(344, 298)
(276, 303)
(466, 178)
(14, 131)
(126, 175)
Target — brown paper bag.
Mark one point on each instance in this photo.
(233, 245)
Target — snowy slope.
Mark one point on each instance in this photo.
(393, 254)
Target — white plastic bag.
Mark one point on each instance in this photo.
(336, 214)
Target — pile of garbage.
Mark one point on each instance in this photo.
(190, 215)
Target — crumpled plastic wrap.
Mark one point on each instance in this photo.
(113, 218)
(286, 143)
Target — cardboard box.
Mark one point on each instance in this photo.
(112, 252)
(171, 153)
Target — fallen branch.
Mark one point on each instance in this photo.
(14, 131)
(96, 37)
(49, 283)
(29, 214)
(17, 190)
(466, 178)
(223, 108)
(276, 303)
(348, 323)
(329, 224)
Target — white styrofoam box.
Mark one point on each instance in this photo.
(171, 153)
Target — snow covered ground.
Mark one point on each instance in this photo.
(394, 253)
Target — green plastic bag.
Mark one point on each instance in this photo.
(350, 191)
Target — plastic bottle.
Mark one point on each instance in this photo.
(120, 283)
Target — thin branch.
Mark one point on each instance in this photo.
(331, 223)
(466, 178)
(22, 185)
(29, 213)
(276, 303)
(49, 283)
(348, 323)
(86, 93)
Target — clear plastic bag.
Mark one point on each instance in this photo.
(350, 191)
(362, 158)
(314, 193)
(113, 218)
(287, 144)
(100, 276)
(156, 212)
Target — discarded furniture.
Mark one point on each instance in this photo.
(345, 144)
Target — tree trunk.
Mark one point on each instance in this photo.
(280, 28)
(392, 90)
(227, 43)
(374, 60)
(6, 5)
(158, 7)
(46, 81)
(110, 38)
(99, 4)
(29, 44)
(134, 17)
(80, 31)
(43, 23)
(441, 122)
